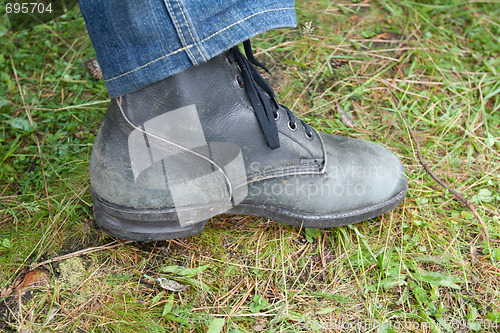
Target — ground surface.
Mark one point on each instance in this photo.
(417, 77)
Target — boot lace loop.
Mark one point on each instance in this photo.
(262, 96)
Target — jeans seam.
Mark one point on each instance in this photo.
(177, 25)
(149, 63)
(192, 45)
(190, 32)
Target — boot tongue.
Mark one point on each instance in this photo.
(260, 94)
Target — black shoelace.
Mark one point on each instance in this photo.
(262, 96)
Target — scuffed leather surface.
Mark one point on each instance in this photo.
(322, 175)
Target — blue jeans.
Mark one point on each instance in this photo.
(139, 42)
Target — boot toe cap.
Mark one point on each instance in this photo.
(362, 173)
(361, 180)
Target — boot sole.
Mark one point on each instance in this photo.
(320, 221)
(162, 224)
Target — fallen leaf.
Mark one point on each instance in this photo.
(345, 117)
(35, 278)
(171, 285)
(383, 35)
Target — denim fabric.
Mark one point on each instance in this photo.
(139, 42)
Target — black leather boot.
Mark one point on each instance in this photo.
(213, 139)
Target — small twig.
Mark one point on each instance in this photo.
(230, 293)
(28, 114)
(457, 195)
(322, 249)
(491, 211)
(69, 107)
(82, 252)
(242, 300)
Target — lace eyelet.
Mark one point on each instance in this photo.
(309, 135)
(277, 116)
(240, 81)
(292, 128)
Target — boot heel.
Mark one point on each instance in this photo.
(141, 225)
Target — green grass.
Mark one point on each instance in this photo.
(427, 264)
